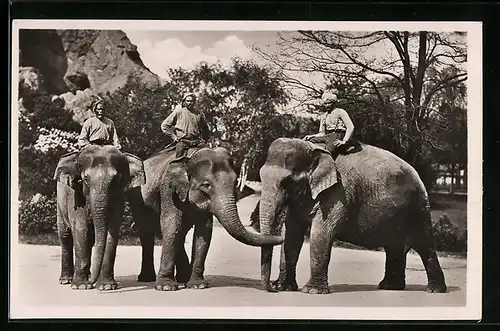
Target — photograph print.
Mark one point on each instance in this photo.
(230, 169)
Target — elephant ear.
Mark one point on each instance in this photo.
(67, 170)
(136, 171)
(323, 174)
(179, 179)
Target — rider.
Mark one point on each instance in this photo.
(335, 128)
(187, 125)
(98, 129)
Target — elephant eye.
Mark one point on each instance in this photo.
(205, 186)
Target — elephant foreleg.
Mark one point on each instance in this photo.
(81, 241)
(201, 242)
(171, 224)
(395, 265)
(321, 241)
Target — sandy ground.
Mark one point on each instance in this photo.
(233, 271)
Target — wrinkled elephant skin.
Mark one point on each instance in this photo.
(178, 195)
(91, 187)
(370, 198)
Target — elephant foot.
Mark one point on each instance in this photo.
(315, 289)
(268, 287)
(285, 285)
(146, 277)
(166, 285)
(65, 280)
(392, 285)
(436, 288)
(82, 285)
(107, 285)
(197, 284)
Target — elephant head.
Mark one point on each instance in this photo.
(100, 176)
(295, 173)
(207, 180)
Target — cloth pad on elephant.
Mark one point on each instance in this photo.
(320, 146)
(191, 151)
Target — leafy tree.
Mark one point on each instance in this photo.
(240, 102)
(392, 76)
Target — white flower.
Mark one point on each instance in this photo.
(36, 198)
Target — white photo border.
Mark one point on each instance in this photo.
(472, 310)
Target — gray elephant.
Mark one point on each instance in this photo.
(91, 185)
(369, 197)
(179, 194)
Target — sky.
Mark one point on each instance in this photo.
(160, 50)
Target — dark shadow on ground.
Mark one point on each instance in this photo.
(232, 281)
(340, 288)
(130, 284)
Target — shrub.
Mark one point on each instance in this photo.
(36, 171)
(38, 215)
(447, 236)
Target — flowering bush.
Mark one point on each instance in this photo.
(55, 139)
(38, 215)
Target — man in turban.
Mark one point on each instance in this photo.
(335, 128)
(187, 125)
(98, 129)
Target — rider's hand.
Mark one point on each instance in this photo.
(309, 136)
(338, 143)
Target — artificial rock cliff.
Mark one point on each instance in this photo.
(76, 65)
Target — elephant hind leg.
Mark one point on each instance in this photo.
(66, 241)
(422, 242)
(183, 267)
(67, 264)
(395, 265)
(290, 251)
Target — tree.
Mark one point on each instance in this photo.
(240, 102)
(404, 71)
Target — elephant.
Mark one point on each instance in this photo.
(179, 194)
(91, 186)
(367, 196)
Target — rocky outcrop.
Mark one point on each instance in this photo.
(43, 50)
(77, 65)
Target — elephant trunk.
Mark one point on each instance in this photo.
(99, 213)
(268, 223)
(226, 212)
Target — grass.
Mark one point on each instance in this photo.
(453, 206)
